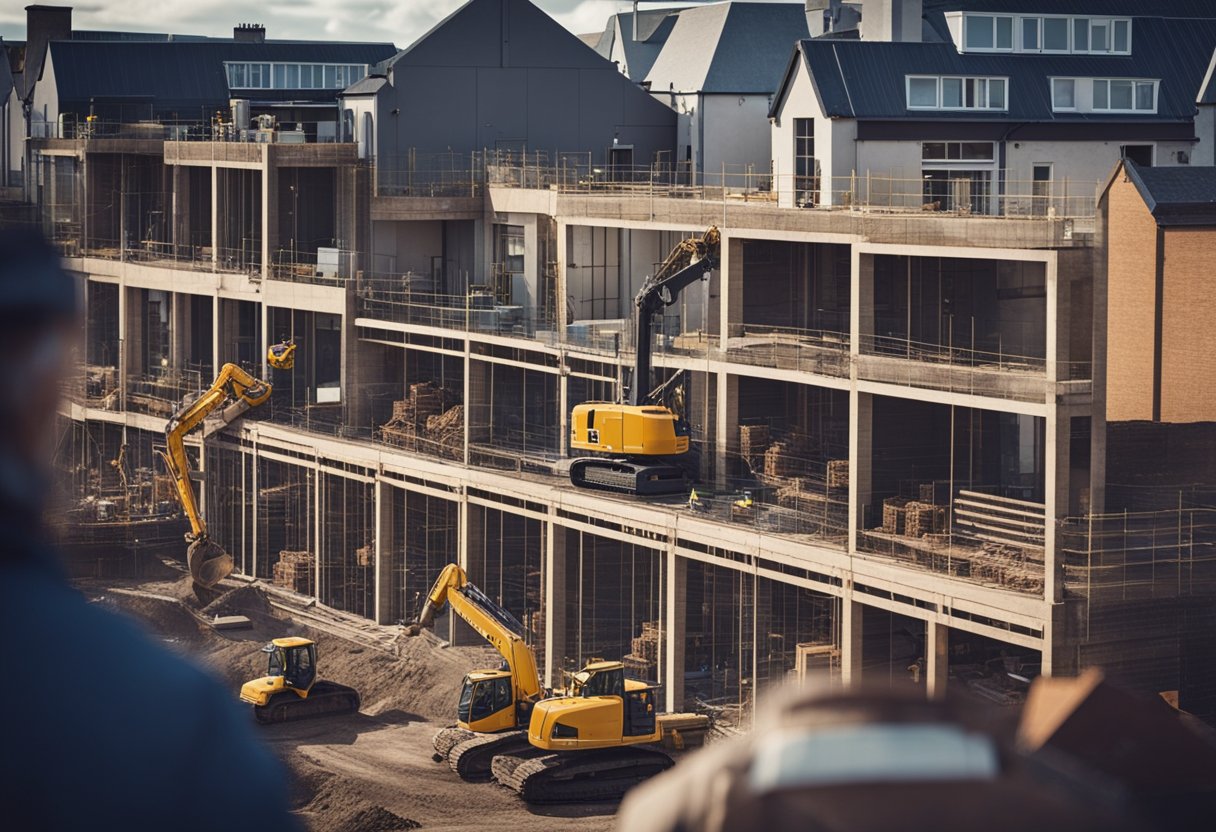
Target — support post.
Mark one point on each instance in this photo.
(850, 641)
(674, 626)
(937, 658)
(555, 601)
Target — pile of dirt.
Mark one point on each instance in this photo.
(376, 819)
(336, 806)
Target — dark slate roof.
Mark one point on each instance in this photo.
(369, 85)
(865, 79)
(1179, 195)
(6, 75)
(728, 48)
(186, 78)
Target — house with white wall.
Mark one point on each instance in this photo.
(1005, 110)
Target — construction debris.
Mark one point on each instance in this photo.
(295, 571)
(429, 421)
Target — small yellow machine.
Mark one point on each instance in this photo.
(496, 704)
(282, 356)
(633, 439)
(290, 689)
(232, 394)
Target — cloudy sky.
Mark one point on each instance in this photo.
(399, 21)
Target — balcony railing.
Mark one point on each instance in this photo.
(291, 132)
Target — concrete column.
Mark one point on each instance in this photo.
(563, 408)
(851, 617)
(264, 346)
(555, 601)
(674, 630)
(318, 483)
(861, 426)
(215, 216)
(863, 299)
(253, 481)
(217, 360)
(731, 287)
(123, 346)
(937, 658)
(270, 215)
(1057, 446)
(179, 329)
(1059, 644)
(560, 242)
(383, 550)
(1057, 341)
(726, 434)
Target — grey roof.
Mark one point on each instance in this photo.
(865, 79)
(6, 75)
(1181, 195)
(728, 48)
(185, 79)
(368, 85)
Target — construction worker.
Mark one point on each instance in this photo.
(104, 729)
(694, 501)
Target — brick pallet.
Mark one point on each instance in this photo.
(923, 518)
(754, 440)
(294, 570)
(893, 514)
(838, 473)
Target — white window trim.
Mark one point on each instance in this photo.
(940, 106)
(1019, 46)
(1120, 110)
(1079, 84)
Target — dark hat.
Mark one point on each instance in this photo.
(34, 287)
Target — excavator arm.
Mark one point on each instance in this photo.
(493, 623)
(233, 392)
(692, 259)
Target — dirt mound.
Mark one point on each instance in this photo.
(244, 600)
(335, 806)
(376, 819)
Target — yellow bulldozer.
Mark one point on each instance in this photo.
(290, 690)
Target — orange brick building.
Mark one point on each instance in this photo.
(1159, 226)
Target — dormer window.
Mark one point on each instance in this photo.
(952, 92)
(1104, 95)
(1058, 34)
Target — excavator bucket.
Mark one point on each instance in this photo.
(209, 563)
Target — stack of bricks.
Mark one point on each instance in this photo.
(789, 457)
(364, 555)
(893, 514)
(754, 440)
(643, 659)
(429, 421)
(294, 571)
(921, 519)
(838, 473)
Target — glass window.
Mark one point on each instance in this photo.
(933, 150)
(1144, 96)
(977, 151)
(1055, 34)
(979, 31)
(266, 76)
(1121, 95)
(952, 92)
(255, 76)
(331, 77)
(1101, 95)
(953, 151)
(1080, 34)
(1004, 33)
(240, 75)
(355, 73)
(1063, 94)
(279, 77)
(1030, 33)
(1098, 34)
(996, 93)
(1122, 35)
(293, 77)
(922, 92)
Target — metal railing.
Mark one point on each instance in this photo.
(187, 130)
(410, 298)
(324, 267)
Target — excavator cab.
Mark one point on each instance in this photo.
(487, 702)
(290, 689)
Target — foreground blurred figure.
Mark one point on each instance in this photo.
(102, 728)
(1085, 756)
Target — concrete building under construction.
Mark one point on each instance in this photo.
(914, 399)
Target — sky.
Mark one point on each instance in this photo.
(398, 21)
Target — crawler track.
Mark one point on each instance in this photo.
(325, 699)
(473, 758)
(627, 477)
(577, 776)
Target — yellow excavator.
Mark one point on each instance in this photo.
(291, 691)
(595, 742)
(495, 705)
(233, 392)
(634, 441)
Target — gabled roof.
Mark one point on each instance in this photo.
(368, 85)
(472, 36)
(866, 79)
(1181, 195)
(186, 78)
(728, 48)
(654, 28)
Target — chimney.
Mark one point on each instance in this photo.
(823, 17)
(891, 20)
(249, 33)
(43, 24)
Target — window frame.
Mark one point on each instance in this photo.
(1136, 84)
(976, 83)
(277, 75)
(1018, 42)
(1056, 108)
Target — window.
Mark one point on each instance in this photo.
(951, 93)
(922, 93)
(806, 183)
(1141, 154)
(331, 77)
(1063, 34)
(293, 76)
(1030, 33)
(1055, 34)
(957, 151)
(1124, 95)
(1063, 94)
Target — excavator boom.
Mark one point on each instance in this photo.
(233, 392)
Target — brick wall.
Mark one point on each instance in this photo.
(1131, 292)
(1188, 338)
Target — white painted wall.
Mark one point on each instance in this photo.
(45, 107)
(1205, 130)
(361, 105)
(735, 134)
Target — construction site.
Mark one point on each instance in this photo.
(673, 428)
